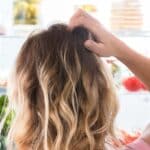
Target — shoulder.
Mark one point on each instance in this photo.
(138, 144)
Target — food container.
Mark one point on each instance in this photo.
(26, 12)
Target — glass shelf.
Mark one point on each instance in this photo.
(119, 34)
(132, 33)
(2, 91)
(11, 37)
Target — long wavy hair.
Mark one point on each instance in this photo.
(61, 92)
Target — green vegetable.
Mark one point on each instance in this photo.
(8, 120)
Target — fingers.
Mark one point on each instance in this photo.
(97, 48)
(81, 18)
(76, 19)
(78, 13)
(147, 128)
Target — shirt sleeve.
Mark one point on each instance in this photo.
(138, 144)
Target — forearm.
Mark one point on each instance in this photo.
(137, 63)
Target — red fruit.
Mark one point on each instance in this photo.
(129, 138)
(133, 84)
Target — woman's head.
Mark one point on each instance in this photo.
(63, 97)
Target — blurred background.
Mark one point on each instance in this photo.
(127, 19)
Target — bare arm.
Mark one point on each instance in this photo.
(137, 63)
(109, 45)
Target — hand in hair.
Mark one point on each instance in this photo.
(109, 45)
(105, 40)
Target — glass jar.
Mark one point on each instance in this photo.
(126, 15)
(26, 12)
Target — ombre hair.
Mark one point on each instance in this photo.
(62, 93)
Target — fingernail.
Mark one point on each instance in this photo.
(87, 43)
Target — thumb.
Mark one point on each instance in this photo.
(93, 46)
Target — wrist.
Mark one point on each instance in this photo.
(120, 49)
